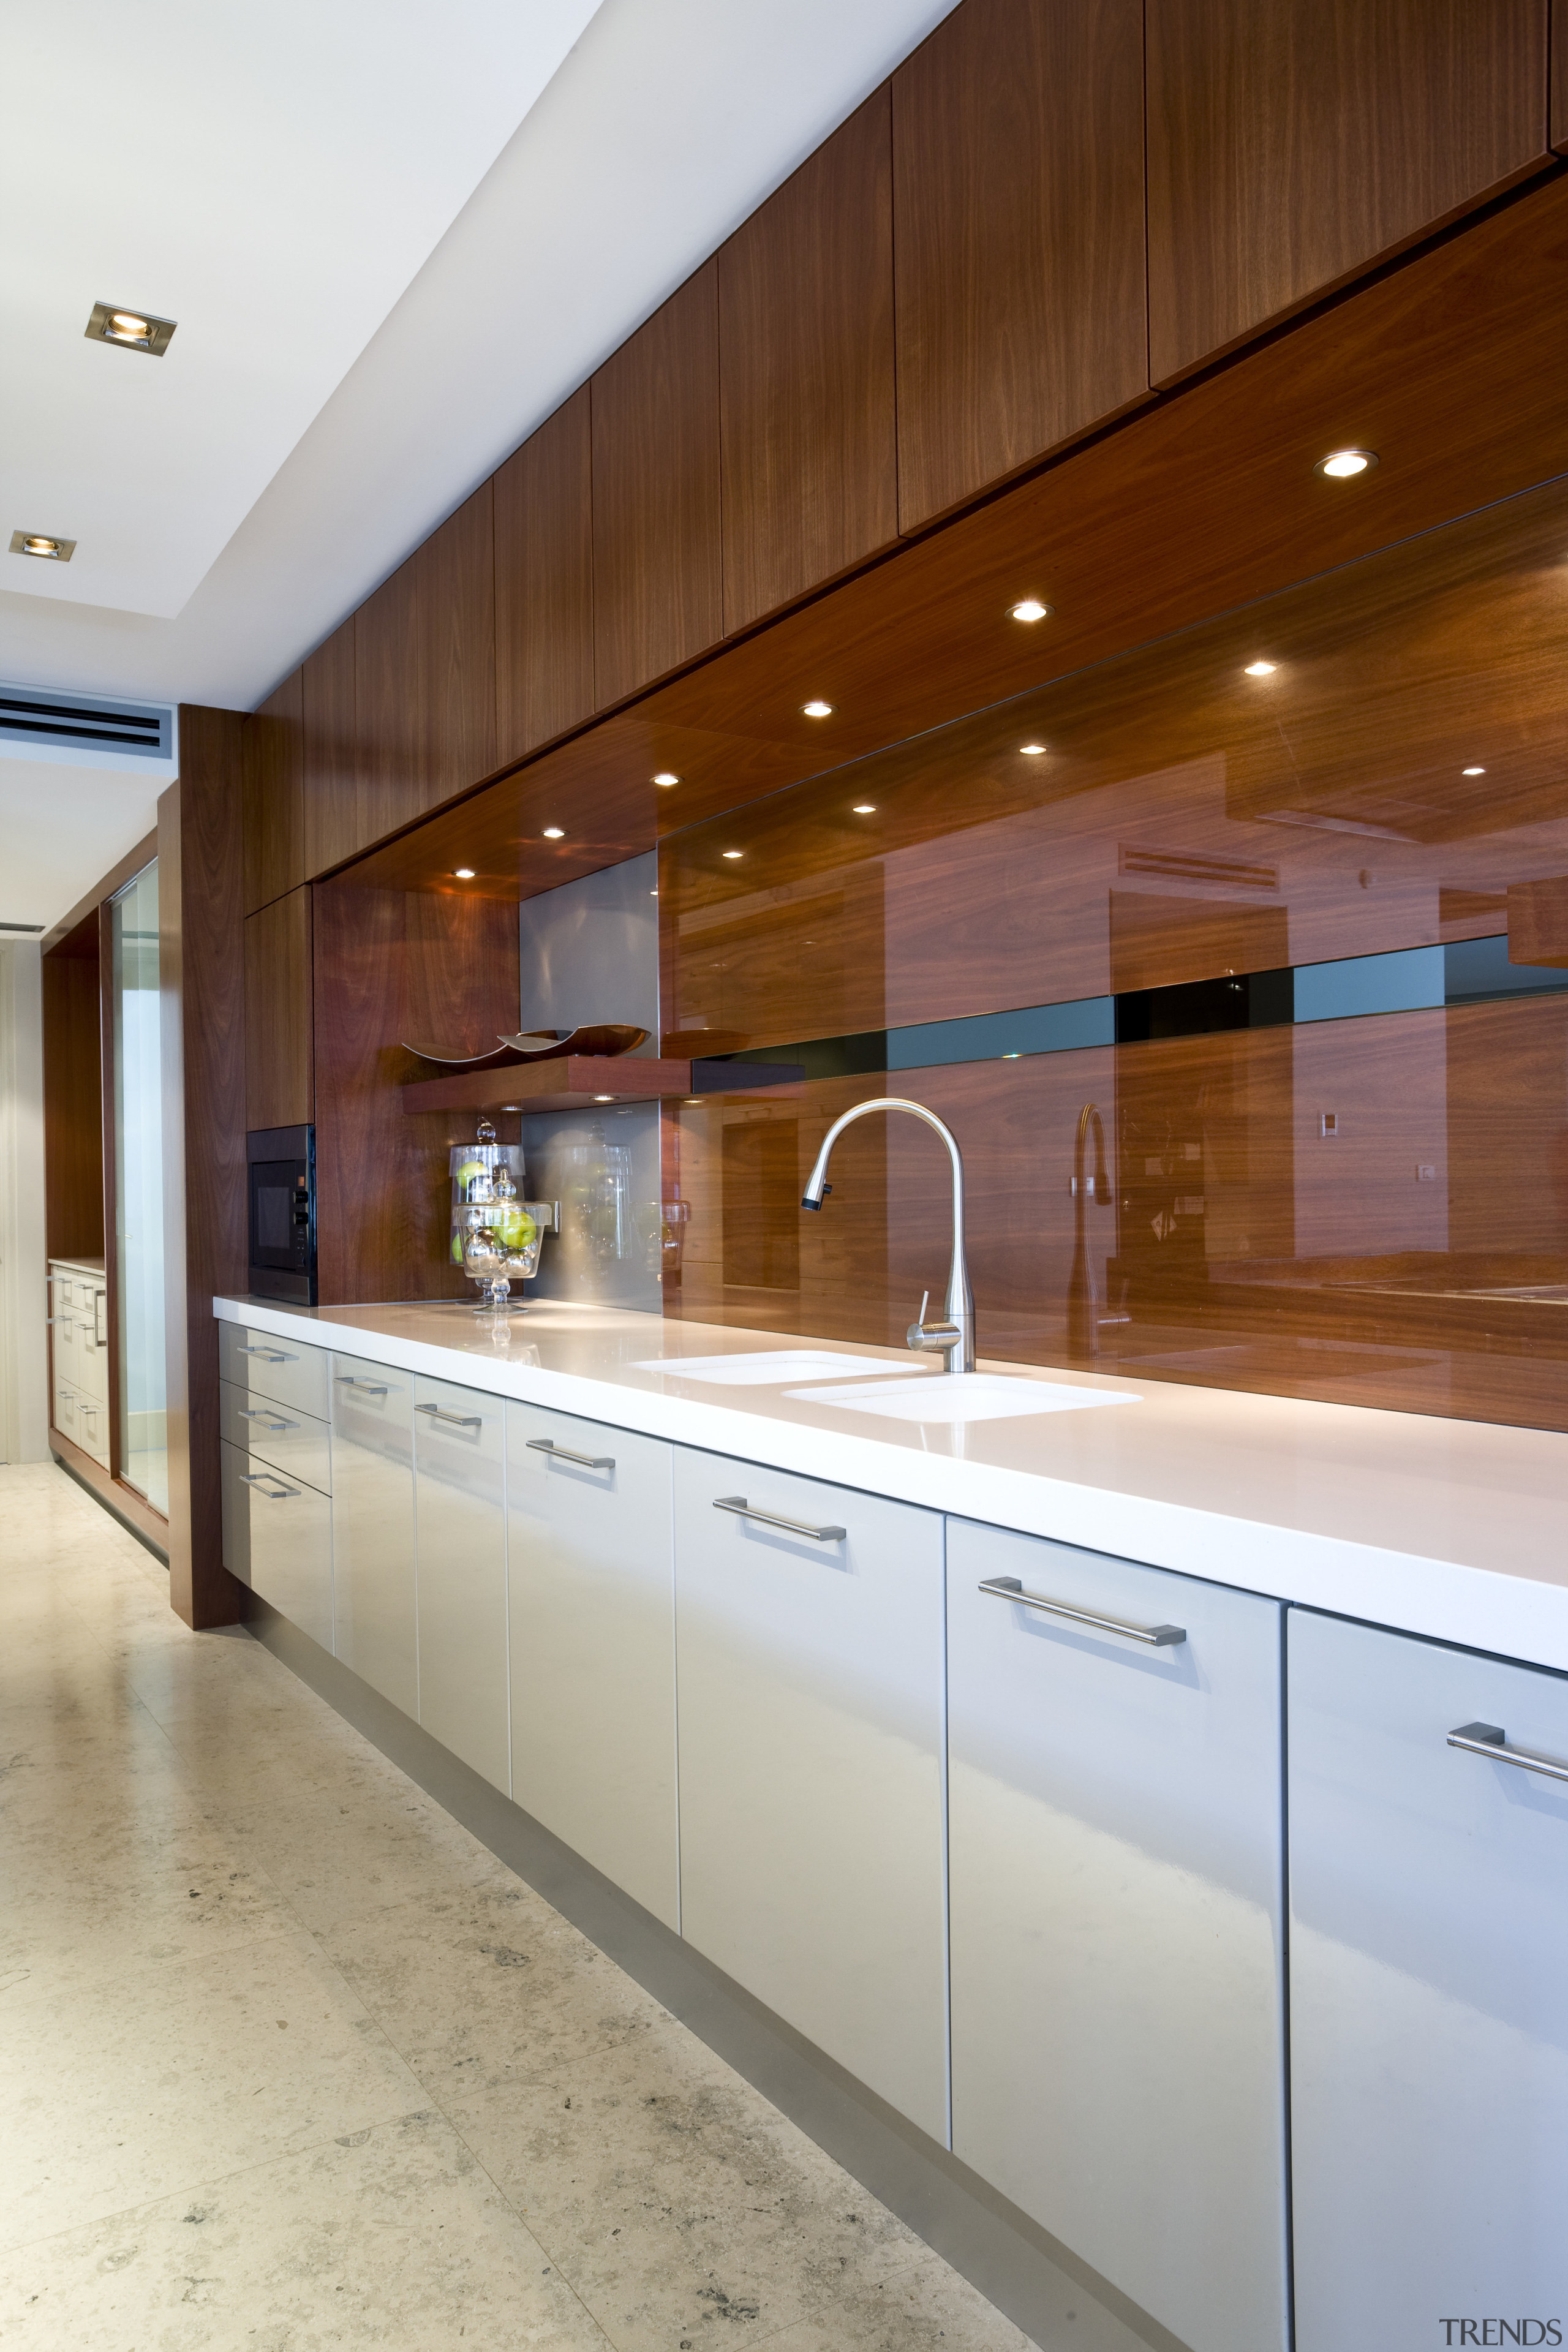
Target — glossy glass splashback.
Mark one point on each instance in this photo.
(1285, 898)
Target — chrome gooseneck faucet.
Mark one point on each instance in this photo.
(954, 1337)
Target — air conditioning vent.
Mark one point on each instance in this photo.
(42, 722)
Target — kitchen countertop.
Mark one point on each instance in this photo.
(1451, 1529)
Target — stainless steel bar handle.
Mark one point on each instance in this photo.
(267, 1355)
(1488, 1738)
(276, 1493)
(457, 1419)
(742, 1510)
(587, 1461)
(267, 1419)
(369, 1388)
(1154, 1637)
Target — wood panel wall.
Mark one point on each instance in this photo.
(73, 1095)
(344, 808)
(201, 919)
(1292, 145)
(544, 583)
(279, 1074)
(275, 795)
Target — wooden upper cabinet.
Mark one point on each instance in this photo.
(279, 1085)
(275, 796)
(1560, 76)
(544, 583)
(1294, 145)
(424, 722)
(335, 822)
(657, 563)
(807, 416)
(1018, 239)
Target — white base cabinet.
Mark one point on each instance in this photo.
(1429, 1994)
(376, 1629)
(278, 1538)
(592, 1584)
(1117, 1897)
(459, 1502)
(810, 1702)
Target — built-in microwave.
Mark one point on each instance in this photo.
(281, 1168)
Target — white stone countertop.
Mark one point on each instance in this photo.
(1452, 1528)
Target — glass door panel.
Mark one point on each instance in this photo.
(139, 1190)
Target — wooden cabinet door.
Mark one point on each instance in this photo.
(459, 1504)
(337, 818)
(1018, 239)
(1118, 1949)
(1291, 146)
(279, 1066)
(1428, 1990)
(810, 1699)
(424, 674)
(806, 341)
(658, 562)
(275, 795)
(1560, 76)
(544, 583)
(592, 1589)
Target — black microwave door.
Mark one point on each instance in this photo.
(279, 1215)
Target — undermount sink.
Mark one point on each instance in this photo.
(772, 1367)
(962, 1396)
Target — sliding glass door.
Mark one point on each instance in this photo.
(137, 1258)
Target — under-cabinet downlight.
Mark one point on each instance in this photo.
(1344, 464)
(554, 833)
(1472, 771)
(462, 872)
(864, 808)
(1032, 750)
(665, 778)
(1261, 669)
(734, 853)
(817, 708)
(44, 545)
(1029, 608)
(131, 331)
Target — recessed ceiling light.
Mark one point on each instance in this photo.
(1472, 771)
(462, 872)
(554, 833)
(1032, 750)
(665, 777)
(1031, 609)
(817, 708)
(865, 808)
(133, 331)
(40, 544)
(1261, 668)
(1344, 464)
(734, 853)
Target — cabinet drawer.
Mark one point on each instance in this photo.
(1116, 1892)
(281, 1369)
(809, 1688)
(592, 1645)
(459, 1494)
(91, 1359)
(294, 1442)
(278, 1538)
(92, 1426)
(375, 1622)
(1428, 1988)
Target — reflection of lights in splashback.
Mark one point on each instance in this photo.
(817, 708)
(1031, 609)
(1344, 464)
(1261, 668)
(1333, 825)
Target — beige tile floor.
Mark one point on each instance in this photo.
(288, 2060)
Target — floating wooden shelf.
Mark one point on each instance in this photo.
(578, 1081)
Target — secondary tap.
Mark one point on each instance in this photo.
(954, 1337)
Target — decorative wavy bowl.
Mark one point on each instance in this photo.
(537, 1045)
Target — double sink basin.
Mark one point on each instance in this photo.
(862, 1384)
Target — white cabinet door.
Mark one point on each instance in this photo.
(592, 1645)
(1429, 1993)
(278, 1538)
(1117, 1866)
(374, 1624)
(810, 1701)
(459, 1500)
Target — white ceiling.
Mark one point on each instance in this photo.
(393, 238)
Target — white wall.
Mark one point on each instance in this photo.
(23, 1363)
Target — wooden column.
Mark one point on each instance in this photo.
(201, 898)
